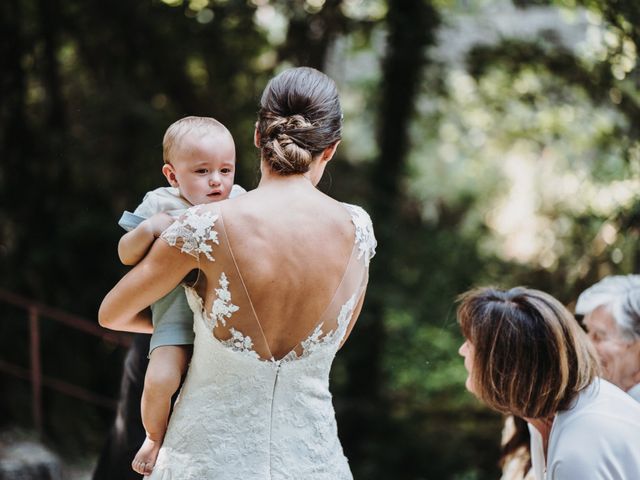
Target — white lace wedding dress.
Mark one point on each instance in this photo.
(243, 414)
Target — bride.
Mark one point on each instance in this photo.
(284, 270)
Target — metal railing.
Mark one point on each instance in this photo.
(35, 311)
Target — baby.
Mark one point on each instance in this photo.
(199, 163)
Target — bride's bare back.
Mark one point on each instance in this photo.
(280, 263)
(292, 253)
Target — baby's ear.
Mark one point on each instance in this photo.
(170, 174)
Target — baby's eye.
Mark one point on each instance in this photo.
(202, 170)
(226, 170)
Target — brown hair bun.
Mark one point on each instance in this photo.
(299, 117)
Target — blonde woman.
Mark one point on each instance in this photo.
(527, 356)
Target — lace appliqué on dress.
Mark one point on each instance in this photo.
(193, 232)
(364, 238)
(222, 308)
(240, 343)
(333, 337)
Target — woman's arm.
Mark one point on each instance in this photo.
(354, 316)
(157, 274)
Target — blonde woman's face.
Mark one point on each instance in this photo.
(620, 359)
(467, 351)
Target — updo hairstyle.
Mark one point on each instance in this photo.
(299, 117)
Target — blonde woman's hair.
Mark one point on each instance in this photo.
(201, 126)
(531, 358)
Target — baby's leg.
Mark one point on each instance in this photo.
(166, 367)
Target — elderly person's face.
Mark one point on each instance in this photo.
(620, 358)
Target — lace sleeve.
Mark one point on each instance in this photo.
(365, 238)
(193, 233)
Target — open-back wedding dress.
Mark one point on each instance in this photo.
(242, 413)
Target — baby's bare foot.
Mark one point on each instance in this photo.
(145, 459)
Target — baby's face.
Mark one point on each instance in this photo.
(203, 167)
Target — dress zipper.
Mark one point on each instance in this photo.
(273, 397)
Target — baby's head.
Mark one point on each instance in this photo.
(199, 159)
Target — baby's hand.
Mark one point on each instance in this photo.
(158, 223)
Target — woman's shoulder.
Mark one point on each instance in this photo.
(364, 234)
(602, 399)
(595, 441)
(359, 216)
(601, 408)
(357, 211)
(195, 231)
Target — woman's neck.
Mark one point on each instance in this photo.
(270, 178)
(310, 178)
(284, 181)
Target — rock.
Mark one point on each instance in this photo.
(28, 461)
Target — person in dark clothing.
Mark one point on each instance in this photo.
(127, 432)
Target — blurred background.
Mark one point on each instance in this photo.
(492, 141)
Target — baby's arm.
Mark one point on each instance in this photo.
(134, 245)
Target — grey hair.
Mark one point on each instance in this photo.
(626, 313)
(621, 294)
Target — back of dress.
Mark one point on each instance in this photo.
(245, 412)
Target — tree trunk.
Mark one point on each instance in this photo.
(309, 36)
(411, 29)
(49, 22)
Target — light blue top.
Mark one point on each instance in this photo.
(129, 221)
